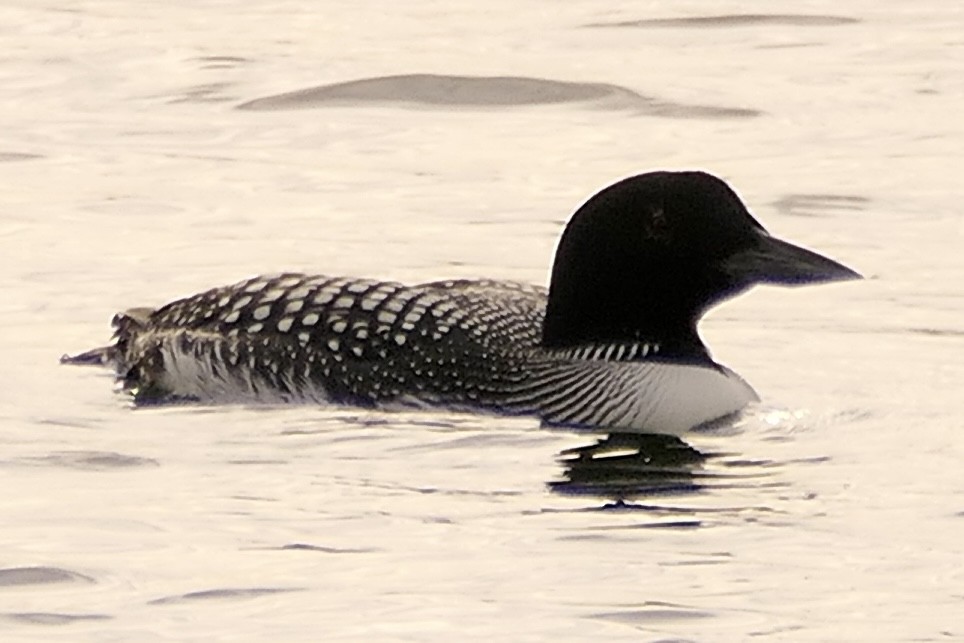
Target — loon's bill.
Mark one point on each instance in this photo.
(612, 344)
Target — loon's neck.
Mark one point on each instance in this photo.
(581, 311)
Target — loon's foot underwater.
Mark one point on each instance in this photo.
(612, 343)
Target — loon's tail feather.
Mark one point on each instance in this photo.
(134, 357)
(126, 325)
(103, 356)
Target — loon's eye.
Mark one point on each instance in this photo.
(655, 225)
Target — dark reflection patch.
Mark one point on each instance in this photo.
(735, 20)
(484, 91)
(623, 468)
(625, 465)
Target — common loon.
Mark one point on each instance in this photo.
(612, 344)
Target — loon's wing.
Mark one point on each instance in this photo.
(295, 337)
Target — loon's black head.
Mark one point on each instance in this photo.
(647, 256)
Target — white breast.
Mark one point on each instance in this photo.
(646, 397)
(672, 398)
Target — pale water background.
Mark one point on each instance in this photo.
(130, 177)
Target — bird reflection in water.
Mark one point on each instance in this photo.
(624, 465)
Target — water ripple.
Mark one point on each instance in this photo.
(223, 594)
(735, 20)
(323, 549)
(8, 157)
(484, 91)
(53, 618)
(16, 576)
(650, 614)
(815, 205)
(92, 460)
